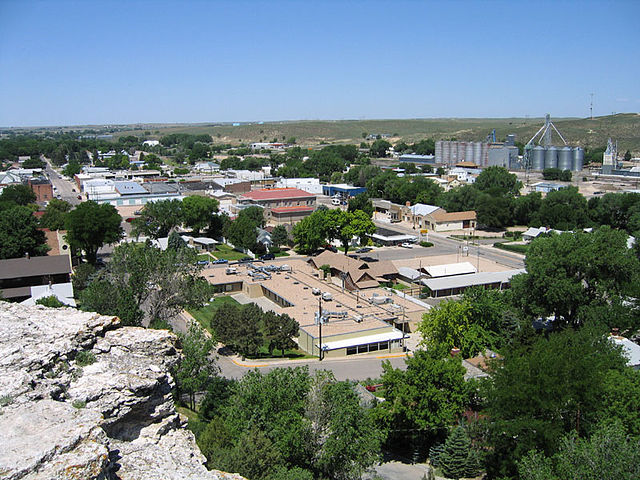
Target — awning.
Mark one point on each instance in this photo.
(354, 342)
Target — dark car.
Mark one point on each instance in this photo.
(267, 256)
(368, 259)
(220, 261)
(245, 260)
(364, 250)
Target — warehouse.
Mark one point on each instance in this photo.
(455, 285)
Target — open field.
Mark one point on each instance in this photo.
(578, 131)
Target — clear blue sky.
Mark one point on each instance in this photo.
(98, 62)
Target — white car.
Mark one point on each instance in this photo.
(327, 297)
(406, 245)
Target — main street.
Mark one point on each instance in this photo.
(64, 187)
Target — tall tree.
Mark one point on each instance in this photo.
(18, 194)
(564, 209)
(89, 226)
(55, 214)
(197, 212)
(572, 275)
(158, 218)
(279, 331)
(458, 459)
(498, 180)
(361, 202)
(279, 236)
(19, 234)
(196, 366)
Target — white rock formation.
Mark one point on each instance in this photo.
(111, 420)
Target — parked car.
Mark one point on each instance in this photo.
(245, 260)
(406, 245)
(364, 250)
(331, 248)
(220, 261)
(315, 291)
(327, 297)
(285, 268)
(267, 256)
(231, 271)
(368, 259)
(203, 262)
(129, 220)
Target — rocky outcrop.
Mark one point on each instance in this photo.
(83, 398)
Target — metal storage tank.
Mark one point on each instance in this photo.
(578, 159)
(446, 153)
(565, 158)
(468, 152)
(551, 157)
(477, 153)
(538, 158)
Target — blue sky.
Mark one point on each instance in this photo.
(99, 62)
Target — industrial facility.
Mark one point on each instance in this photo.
(547, 155)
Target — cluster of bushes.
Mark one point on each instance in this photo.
(556, 174)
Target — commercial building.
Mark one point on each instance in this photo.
(309, 185)
(455, 285)
(18, 275)
(281, 205)
(451, 152)
(42, 188)
(437, 219)
(418, 159)
(342, 190)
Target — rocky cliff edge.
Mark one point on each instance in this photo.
(111, 419)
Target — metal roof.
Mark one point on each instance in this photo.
(352, 342)
(630, 349)
(460, 281)
(34, 266)
(450, 269)
(130, 188)
(423, 209)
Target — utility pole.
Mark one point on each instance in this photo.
(591, 107)
(320, 327)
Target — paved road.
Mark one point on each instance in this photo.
(65, 187)
(344, 368)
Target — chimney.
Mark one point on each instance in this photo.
(454, 351)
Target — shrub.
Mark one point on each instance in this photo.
(426, 244)
(79, 404)
(51, 301)
(85, 358)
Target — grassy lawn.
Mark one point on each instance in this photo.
(187, 412)
(203, 315)
(518, 248)
(399, 286)
(227, 253)
(290, 354)
(204, 256)
(281, 254)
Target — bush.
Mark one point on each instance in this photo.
(85, 358)
(51, 301)
(426, 244)
(79, 404)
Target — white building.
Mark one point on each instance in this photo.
(310, 185)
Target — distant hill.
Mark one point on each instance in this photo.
(624, 127)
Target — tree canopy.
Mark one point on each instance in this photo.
(90, 226)
(19, 234)
(197, 212)
(158, 218)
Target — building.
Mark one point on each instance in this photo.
(151, 143)
(281, 205)
(42, 188)
(443, 221)
(342, 190)
(546, 187)
(18, 275)
(356, 274)
(455, 285)
(503, 155)
(309, 185)
(418, 159)
(232, 185)
(630, 350)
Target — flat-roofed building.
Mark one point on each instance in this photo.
(455, 285)
(18, 275)
(42, 188)
(282, 205)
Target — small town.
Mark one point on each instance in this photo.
(375, 295)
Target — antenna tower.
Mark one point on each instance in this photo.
(591, 107)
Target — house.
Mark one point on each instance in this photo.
(416, 214)
(206, 167)
(9, 178)
(442, 221)
(18, 275)
(546, 187)
(356, 274)
(281, 205)
(264, 237)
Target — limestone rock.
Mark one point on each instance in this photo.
(107, 420)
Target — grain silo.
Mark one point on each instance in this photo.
(538, 158)
(565, 158)
(578, 159)
(551, 157)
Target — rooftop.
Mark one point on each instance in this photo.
(442, 216)
(34, 266)
(460, 281)
(277, 194)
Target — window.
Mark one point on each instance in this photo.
(363, 348)
(384, 345)
(373, 347)
(352, 350)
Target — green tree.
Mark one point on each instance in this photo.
(73, 168)
(361, 202)
(627, 156)
(564, 209)
(279, 331)
(18, 194)
(494, 211)
(279, 236)
(158, 218)
(197, 212)
(572, 275)
(224, 322)
(545, 389)
(457, 458)
(81, 276)
(310, 233)
(196, 366)
(242, 233)
(50, 301)
(55, 214)
(526, 208)
(425, 399)
(104, 297)
(19, 234)
(248, 334)
(89, 226)
(175, 241)
(498, 180)
(379, 148)
(608, 454)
